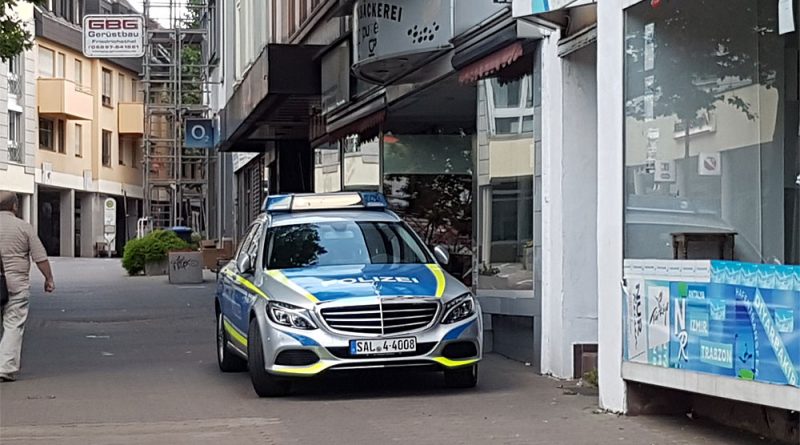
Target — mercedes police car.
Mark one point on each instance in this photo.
(332, 282)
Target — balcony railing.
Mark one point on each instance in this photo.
(15, 152)
(14, 84)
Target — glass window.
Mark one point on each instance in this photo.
(15, 145)
(46, 130)
(361, 163)
(61, 66)
(78, 72)
(121, 145)
(78, 140)
(106, 148)
(342, 243)
(508, 205)
(711, 145)
(121, 87)
(107, 87)
(336, 77)
(61, 136)
(46, 62)
(244, 247)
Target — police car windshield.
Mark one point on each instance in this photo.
(341, 243)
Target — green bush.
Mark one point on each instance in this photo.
(149, 249)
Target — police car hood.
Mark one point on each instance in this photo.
(320, 284)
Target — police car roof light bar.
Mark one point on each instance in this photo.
(324, 201)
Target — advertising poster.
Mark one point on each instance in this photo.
(742, 323)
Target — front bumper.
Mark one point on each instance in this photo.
(332, 349)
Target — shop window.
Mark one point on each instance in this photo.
(507, 209)
(327, 173)
(428, 182)
(711, 144)
(335, 69)
(361, 163)
(46, 134)
(106, 148)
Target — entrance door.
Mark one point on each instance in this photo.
(49, 221)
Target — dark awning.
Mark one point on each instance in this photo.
(274, 100)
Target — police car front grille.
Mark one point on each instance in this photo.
(381, 319)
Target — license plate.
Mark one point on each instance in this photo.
(385, 346)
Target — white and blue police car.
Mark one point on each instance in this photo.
(332, 282)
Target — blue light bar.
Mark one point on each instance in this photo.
(325, 201)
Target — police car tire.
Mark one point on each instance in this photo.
(264, 383)
(228, 361)
(462, 377)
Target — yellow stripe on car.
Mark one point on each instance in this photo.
(245, 282)
(281, 278)
(440, 280)
(236, 335)
(316, 368)
(454, 363)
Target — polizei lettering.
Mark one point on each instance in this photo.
(371, 280)
(378, 10)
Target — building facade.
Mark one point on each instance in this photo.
(87, 138)
(18, 122)
(682, 116)
(442, 106)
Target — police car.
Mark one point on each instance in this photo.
(332, 282)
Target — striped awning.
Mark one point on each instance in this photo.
(491, 63)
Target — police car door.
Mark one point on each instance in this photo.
(242, 296)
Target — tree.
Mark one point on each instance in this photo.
(14, 38)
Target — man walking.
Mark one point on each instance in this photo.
(18, 245)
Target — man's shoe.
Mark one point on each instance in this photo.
(7, 378)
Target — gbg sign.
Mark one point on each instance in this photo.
(115, 36)
(390, 35)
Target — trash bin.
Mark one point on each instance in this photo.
(184, 233)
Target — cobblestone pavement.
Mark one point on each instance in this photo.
(110, 359)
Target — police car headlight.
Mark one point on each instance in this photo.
(290, 316)
(459, 309)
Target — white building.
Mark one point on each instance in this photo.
(677, 122)
(18, 122)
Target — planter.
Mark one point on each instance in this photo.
(156, 268)
(185, 267)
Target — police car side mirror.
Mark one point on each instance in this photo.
(244, 264)
(441, 254)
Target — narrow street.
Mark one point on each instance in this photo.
(110, 359)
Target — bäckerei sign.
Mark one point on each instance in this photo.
(394, 29)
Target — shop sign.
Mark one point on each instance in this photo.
(522, 8)
(113, 36)
(740, 321)
(394, 28)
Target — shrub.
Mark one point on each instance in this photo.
(149, 249)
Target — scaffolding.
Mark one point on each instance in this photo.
(176, 71)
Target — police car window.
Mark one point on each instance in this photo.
(252, 246)
(341, 243)
(243, 246)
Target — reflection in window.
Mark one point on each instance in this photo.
(341, 243)
(705, 144)
(361, 163)
(511, 106)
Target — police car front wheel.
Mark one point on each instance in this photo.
(264, 383)
(228, 361)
